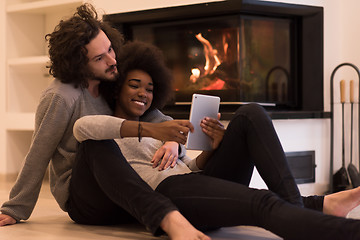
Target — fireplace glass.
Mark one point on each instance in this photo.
(238, 58)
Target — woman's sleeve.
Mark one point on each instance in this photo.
(97, 127)
(191, 163)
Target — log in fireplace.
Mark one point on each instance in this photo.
(240, 50)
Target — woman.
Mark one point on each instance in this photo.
(218, 195)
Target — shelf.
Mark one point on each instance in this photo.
(26, 22)
(27, 78)
(41, 7)
(29, 65)
(20, 121)
(35, 60)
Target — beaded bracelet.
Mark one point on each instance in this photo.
(139, 131)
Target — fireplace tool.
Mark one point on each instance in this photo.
(339, 181)
(353, 172)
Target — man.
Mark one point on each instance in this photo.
(82, 52)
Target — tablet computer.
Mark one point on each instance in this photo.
(202, 106)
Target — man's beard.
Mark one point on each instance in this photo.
(103, 79)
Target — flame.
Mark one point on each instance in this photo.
(212, 60)
(195, 74)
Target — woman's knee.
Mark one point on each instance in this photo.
(253, 112)
(251, 109)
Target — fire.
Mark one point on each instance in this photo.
(195, 74)
(212, 61)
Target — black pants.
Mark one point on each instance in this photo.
(220, 196)
(104, 189)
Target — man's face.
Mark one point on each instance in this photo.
(101, 55)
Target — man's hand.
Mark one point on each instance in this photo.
(166, 155)
(6, 220)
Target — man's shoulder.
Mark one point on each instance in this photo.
(56, 86)
(67, 92)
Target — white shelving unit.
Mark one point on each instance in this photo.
(26, 24)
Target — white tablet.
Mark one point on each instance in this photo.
(202, 106)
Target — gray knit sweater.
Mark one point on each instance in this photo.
(52, 143)
(138, 154)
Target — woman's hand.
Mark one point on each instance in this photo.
(166, 155)
(6, 220)
(174, 130)
(214, 129)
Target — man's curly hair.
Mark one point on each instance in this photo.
(143, 56)
(68, 55)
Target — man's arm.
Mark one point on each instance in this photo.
(50, 124)
(168, 154)
(6, 220)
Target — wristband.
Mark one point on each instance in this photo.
(139, 131)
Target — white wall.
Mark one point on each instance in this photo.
(340, 45)
(135, 5)
(2, 84)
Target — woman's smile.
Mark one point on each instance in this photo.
(141, 103)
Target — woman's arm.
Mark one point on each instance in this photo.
(175, 130)
(202, 158)
(100, 127)
(97, 127)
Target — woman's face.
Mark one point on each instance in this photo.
(135, 96)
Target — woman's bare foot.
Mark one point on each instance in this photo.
(341, 203)
(178, 228)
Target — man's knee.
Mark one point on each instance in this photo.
(98, 145)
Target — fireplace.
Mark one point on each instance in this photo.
(242, 51)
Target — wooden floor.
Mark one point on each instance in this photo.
(48, 222)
